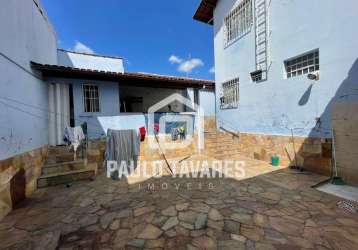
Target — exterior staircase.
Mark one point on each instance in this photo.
(221, 144)
(61, 167)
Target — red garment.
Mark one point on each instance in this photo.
(142, 133)
(156, 127)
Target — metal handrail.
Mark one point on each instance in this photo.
(223, 124)
(230, 132)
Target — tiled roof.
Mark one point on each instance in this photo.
(205, 11)
(127, 78)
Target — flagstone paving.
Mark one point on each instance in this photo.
(274, 210)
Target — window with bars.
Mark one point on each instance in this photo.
(256, 76)
(91, 98)
(238, 22)
(230, 94)
(303, 64)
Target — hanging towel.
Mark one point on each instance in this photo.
(122, 145)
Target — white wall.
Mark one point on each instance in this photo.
(297, 26)
(207, 101)
(94, 62)
(26, 36)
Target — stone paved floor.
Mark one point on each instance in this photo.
(274, 210)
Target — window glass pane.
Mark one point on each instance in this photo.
(303, 64)
(238, 21)
(91, 98)
(230, 94)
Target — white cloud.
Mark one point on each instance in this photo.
(212, 70)
(174, 59)
(189, 65)
(186, 66)
(81, 48)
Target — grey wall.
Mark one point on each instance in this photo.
(25, 35)
(296, 26)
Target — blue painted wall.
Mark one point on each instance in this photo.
(109, 106)
(109, 103)
(278, 104)
(26, 35)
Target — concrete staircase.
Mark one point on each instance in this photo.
(221, 144)
(61, 167)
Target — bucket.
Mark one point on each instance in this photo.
(275, 161)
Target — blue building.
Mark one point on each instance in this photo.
(266, 53)
(279, 65)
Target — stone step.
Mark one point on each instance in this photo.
(63, 167)
(210, 135)
(227, 151)
(62, 150)
(66, 177)
(58, 150)
(210, 140)
(62, 158)
(226, 147)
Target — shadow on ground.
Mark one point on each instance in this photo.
(277, 210)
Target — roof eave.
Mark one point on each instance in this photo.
(205, 11)
(132, 79)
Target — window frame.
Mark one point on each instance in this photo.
(257, 76)
(233, 85)
(234, 30)
(84, 98)
(300, 65)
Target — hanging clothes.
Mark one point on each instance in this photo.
(142, 132)
(174, 134)
(122, 145)
(182, 134)
(74, 136)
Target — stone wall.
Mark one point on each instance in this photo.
(345, 125)
(18, 178)
(314, 154)
(96, 151)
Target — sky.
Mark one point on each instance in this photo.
(158, 36)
